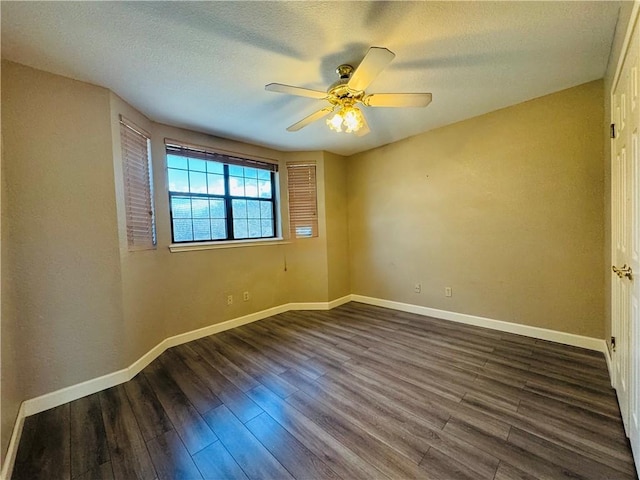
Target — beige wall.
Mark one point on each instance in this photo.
(166, 293)
(206, 277)
(624, 17)
(307, 257)
(318, 268)
(335, 181)
(140, 331)
(61, 278)
(505, 208)
(10, 387)
(76, 304)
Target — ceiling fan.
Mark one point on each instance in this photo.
(349, 90)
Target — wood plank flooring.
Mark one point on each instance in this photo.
(358, 392)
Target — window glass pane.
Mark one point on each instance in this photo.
(201, 229)
(200, 208)
(175, 161)
(215, 184)
(264, 175)
(218, 229)
(236, 171)
(181, 207)
(264, 187)
(178, 180)
(240, 228)
(217, 208)
(254, 229)
(239, 208)
(197, 165)
(253, 209)
(251, 187)
(197, 182)
(267, 228)
(250, 172)
(236, 186)
(215, 167)
(182, 231)
(266, 210)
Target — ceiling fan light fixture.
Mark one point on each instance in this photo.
(349, 117)
(348, 91)
(335, 122)
(352, 119)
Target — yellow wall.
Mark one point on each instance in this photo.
(505, 208)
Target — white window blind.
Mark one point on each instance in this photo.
(138, 186)
(303, 205)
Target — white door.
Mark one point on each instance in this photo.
(626, 242)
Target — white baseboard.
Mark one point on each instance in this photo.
(12, 450)
(589, 343)
(339, 301)
(607, 357)
(222, 326)
(320, 305)
(74, 392)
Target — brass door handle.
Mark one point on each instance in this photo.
(623, 272)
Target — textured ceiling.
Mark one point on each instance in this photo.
(203, 65)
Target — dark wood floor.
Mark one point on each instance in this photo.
(355, 392)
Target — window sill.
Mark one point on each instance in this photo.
(188, 247)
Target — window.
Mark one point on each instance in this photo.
(303, 209)
(214, 196)
(138, 186)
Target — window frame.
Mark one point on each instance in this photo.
(226, 159)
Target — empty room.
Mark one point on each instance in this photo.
(320, 240)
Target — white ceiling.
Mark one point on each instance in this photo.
(203, 65)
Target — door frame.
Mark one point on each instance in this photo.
(633, 23)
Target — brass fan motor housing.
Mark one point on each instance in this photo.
(339, 92)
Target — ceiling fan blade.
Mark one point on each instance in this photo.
(364, 129)
(397, 100)
(299, 91)
(376, 59)
(311, 118)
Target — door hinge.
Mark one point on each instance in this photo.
(613, 130)
(613, 344)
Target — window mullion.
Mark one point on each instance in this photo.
(273, 203)
(227, 203)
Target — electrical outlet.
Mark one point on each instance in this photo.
(229, 299)
(447, 291)
(417, 288)
(245, 296)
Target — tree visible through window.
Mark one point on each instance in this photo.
(219, 197)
